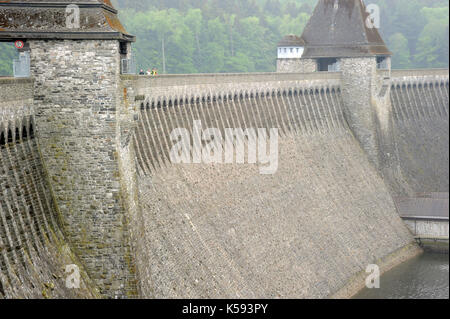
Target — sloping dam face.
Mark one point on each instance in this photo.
(225, 230)
(420, 130)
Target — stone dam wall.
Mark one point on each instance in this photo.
(198, 230)
(33, 249)
(85, 124)
(225, 230)
(419, 130)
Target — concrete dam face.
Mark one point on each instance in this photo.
(225, 230)
(420, 130)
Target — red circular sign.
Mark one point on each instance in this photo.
(19, 44)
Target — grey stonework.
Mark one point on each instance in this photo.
(225, 231)
(85, 123)
(419, 129)
(169, 87)
(358, 81)
(296, 65)
(33, 249)
(85, 176)
(81, 126)
(16, 99)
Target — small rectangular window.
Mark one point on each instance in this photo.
(382, 63)
(328, 65)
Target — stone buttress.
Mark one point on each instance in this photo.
(82, 124)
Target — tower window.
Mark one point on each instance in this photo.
(382, 62)
(2, 139)
(123, 48)
(328, 65)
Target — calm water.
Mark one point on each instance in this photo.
(424, 277)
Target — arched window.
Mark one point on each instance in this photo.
(10, 136)
(2, 139)
(24, 132)
(31, 131)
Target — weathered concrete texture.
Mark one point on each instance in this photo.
(420, 132)
(227, 231)
(82, 132)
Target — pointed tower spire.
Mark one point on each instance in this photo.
(342, 28)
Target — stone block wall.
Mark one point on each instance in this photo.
(84, 116)
(359, 77)
(82, 130)
(224, 230)
(33, 249)
(296, 65)
(419, 130)
(168, 87)
(290, 110)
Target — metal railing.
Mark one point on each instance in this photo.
(21, 66)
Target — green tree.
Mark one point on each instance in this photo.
(432, 46)
(398, 44)
(241, 35)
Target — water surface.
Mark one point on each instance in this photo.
(423, 277)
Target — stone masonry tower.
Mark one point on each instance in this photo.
(83, 121)
(342, 36)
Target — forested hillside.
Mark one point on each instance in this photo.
(191, 36)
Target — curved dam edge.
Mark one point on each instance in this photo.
(358, 281)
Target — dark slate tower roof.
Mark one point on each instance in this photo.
(338, 28)
(41, 19)
(291, 41)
